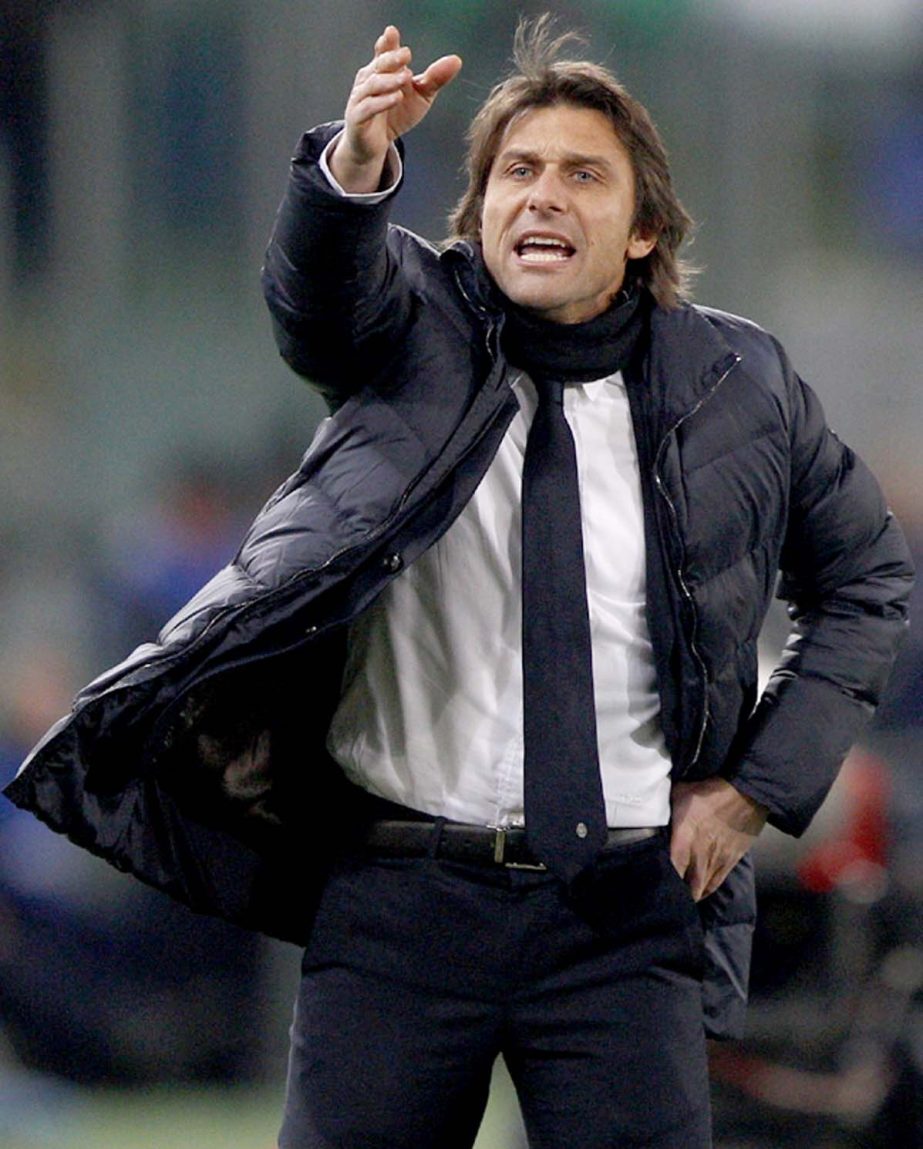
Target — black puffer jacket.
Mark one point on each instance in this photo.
(741, 477)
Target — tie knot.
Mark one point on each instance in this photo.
(549, 391)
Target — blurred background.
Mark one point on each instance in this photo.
(145, 417)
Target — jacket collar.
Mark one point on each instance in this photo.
(473, 279)
(686, 357)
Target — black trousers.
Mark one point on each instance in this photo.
(420, 972)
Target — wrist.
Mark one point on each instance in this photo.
(745, 813)
(721, 799)
(354, 175)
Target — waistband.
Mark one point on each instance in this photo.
(477, 845)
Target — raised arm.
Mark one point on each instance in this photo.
(333, 282)
(386, 101)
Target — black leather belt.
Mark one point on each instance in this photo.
(480, 845)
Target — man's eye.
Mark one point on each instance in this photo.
(520, 171)
(584, 177)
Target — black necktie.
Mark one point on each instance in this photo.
(565, 812)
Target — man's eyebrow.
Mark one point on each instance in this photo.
(569, 159)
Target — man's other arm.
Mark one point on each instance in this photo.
(847, 576)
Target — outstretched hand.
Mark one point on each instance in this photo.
(714, 825)
(386, 101)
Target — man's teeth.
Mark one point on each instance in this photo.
(540, 250)
(543, 255)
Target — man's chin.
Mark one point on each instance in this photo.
(555, 310)
(541, 304)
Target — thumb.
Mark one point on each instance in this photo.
(437, 75)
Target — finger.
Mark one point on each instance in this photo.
(719, 871)
(368, 108)
(680, 855)
(696, 878)
(376, 94)
(388, 63)
(437, 75)
(391, 61)
(694, 857)
(713, 884)
(379, 84)
(388, 40)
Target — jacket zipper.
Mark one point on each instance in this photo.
(680, 577)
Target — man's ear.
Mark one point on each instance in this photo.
(640, 245)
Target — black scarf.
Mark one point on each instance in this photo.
(576, 352)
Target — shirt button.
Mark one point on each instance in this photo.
(582, 831)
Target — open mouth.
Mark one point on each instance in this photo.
(543, 249)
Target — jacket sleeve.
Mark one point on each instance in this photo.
(846, 575)
(332, 281)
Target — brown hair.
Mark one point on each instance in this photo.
(540, 80)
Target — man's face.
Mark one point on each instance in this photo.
(556, 225)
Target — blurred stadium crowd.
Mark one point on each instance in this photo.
(144, 417)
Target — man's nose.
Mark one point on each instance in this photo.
(547, 194)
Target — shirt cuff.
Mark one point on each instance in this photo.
(391, 176)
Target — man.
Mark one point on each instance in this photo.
(506, 813)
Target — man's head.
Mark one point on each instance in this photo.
(553, 114)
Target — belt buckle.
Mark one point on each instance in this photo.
(500, 852)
